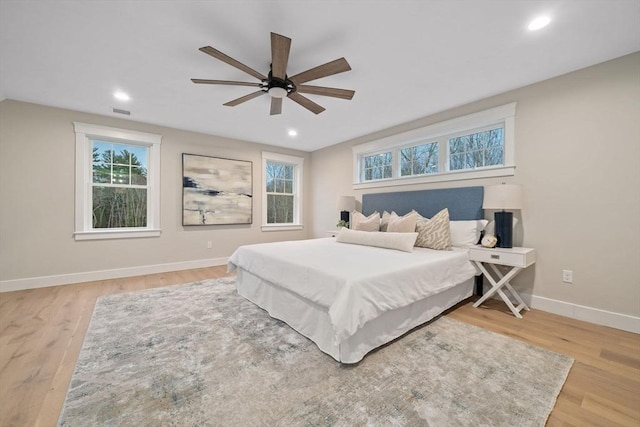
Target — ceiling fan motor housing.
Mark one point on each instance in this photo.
(278, 88)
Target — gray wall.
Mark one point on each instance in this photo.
(578, 158)
(37, 146)
(578, 153)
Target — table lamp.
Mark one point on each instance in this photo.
(345, 205)
(501, 197)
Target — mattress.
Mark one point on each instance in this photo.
(353, 284)
(313, 321)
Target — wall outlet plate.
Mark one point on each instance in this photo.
(567, 276)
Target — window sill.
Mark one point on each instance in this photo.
(115, 234)
(282, 227)
(440, 177)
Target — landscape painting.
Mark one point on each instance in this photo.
(216, 191)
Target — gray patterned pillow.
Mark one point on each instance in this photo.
(434, 233)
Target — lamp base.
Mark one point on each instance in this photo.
(504, 229)
(344, 216)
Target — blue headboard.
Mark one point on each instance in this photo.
(463, 203)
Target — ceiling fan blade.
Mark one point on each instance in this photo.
(225, 82)
(245, 98)
(280, 46)
(330, 68)
(306, 103)
(229, 60)
(276, 106)
(326, 91)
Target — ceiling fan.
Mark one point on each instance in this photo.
(277, 84)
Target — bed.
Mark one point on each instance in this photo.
(350, 299)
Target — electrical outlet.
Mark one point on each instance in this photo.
(209, 244)
(567, 276)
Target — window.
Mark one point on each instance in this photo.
(377, 166)
(419, 160)
(479, 145)
(117, 183)
(477, 150)
(119, 188)
(281, 192)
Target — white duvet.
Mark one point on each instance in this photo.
(354, 283)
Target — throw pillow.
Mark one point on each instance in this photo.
(398, 241)
(434, 233)
(402, 224)
(365, 223)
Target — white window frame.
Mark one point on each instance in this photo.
(502, 116)
(85, 133)
(298, 164)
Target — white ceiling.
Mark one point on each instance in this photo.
(409, 59)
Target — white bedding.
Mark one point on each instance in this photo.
(354, 283)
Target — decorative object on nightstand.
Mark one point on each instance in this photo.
(489, 241)
(503, 196)
(516, 258)
(345, 205)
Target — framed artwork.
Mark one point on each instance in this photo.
(216, 191)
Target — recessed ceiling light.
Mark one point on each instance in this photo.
(122, 96)
(539, 22)
(293, 132)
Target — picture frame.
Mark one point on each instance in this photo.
(216, 190)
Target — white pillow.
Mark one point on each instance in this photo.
(490, 228)
(466, 233)
(398, 241)
(365, 223)
(384, 221)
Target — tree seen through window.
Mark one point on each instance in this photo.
(280, 193)
(477, 150)
(419, 160)
(119, 193)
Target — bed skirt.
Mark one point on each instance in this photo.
(312, 320)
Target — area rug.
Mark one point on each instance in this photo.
(201, 355)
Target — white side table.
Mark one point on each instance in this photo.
(517, 258)
(333, 233)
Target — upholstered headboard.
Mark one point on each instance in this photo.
(463, 203)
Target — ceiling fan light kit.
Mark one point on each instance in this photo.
(277, 84)
(278, 92)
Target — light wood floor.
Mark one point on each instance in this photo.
(42, 330)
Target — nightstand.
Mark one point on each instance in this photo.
(516, 258)
(333, 233)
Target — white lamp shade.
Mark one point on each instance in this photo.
(503, 196)
(346, 203)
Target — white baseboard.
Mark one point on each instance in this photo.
(588, 314)
(90, 276)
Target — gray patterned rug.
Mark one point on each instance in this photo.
(200, 355)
